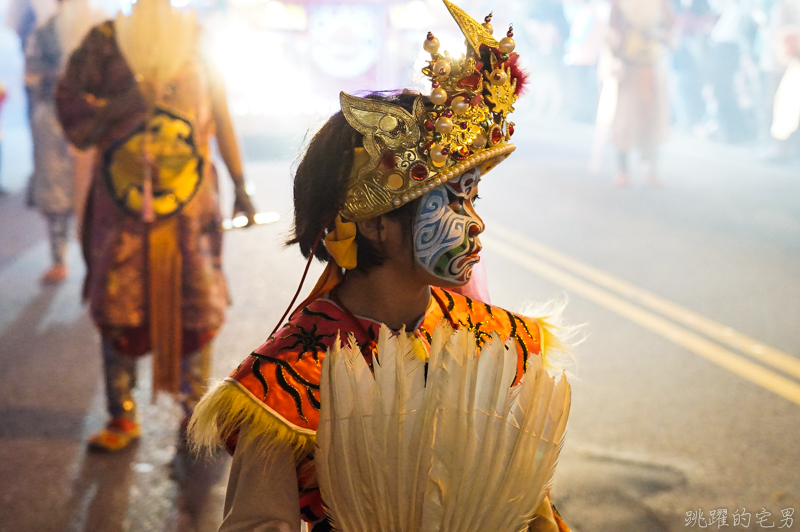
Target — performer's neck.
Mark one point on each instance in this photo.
(390, 295)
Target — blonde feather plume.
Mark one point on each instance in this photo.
(229, 408)
(156, 39)
(456, 450)
(73, 21)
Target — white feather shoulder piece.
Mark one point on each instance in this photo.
(458, 451)
(156, 39)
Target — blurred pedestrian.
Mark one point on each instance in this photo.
(639, 31)
(52, 162)
(23, 17)
(52, 182)
(694, 21)
(778, 64)
(140, 89)
(787, 98)
(729, 44)
(589, 19)
(548, 29)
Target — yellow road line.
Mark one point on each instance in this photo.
(764, 353)
(696, 344)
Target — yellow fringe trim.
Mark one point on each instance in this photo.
(230, 408)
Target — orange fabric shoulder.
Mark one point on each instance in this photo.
(484, 319)
(284, 372)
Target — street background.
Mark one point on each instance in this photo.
(686, 392)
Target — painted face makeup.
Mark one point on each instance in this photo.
(446, 230)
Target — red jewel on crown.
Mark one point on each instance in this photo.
(419, 172)
(497, 135)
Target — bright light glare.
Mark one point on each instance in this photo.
(261, 218)
(267, 218)
(277, 15)
(412, 16)
(274, 10)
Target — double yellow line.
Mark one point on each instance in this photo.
(636, 305)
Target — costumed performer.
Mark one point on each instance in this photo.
(140, 90)
(385, 195)
(638, 31)
(54, 177)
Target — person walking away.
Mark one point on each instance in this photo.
(140, 90)
(23, 17)
(728, 43)
(638, 32)
(694, 20)
(53, 160)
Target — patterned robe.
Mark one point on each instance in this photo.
(281, 378)
(99, 105)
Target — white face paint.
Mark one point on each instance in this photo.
(446, 230)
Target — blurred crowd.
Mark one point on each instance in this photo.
(724, 62)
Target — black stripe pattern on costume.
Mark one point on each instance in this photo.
(520, 342)
(308, 340)
(308, 312)
(283, 369)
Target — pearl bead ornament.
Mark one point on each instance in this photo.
(441, 68)
(431, 44)
(444, 125)
(498, 77)
(439, 155)
(460, 105)
(487, 24)
(507, 45)
(439, 96)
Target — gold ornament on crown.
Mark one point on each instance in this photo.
(407, 154)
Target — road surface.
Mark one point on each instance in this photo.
(686, 392)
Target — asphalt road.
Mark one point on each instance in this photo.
(685, 394)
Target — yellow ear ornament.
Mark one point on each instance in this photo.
(341, 243)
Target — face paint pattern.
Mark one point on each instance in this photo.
(445, 239)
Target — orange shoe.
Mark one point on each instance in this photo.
(119, 434)
(56, 274)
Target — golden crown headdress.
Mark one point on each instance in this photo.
(405, 155)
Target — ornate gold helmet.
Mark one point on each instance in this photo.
(405, 155)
